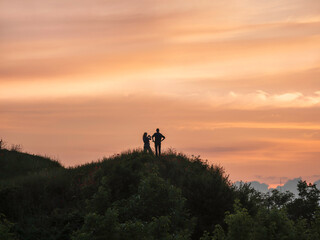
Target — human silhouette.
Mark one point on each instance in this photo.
(157, 138)
(146, 139)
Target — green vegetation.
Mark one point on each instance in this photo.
(136, 195)
(14, 164)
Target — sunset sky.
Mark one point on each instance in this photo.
(237, 82)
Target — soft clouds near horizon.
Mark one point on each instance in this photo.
(289, 185)
(237, 82)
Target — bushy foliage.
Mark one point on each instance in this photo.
(306, 204)
(136, 195)
(156, 211)
(6, 229)
(279, 216)
(129, 196)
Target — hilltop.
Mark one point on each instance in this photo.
(135, 195)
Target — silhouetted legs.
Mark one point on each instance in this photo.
(147, 148)
(158, 149)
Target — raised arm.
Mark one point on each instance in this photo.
(163, 138)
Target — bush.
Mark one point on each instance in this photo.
(16, 148)
(6, 229)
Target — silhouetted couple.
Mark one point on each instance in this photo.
(157, 138)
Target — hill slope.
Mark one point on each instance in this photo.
(139, 196)
(14, 164)
(135, 195)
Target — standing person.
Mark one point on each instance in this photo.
(158, 138)
(146, 139)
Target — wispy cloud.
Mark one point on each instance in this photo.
(263, 99)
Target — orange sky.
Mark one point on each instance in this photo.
(236, 82)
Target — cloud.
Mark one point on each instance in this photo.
(290, 185)
(232, 100)
(305, 81)
(49, 40)
(268, 178)
(261, 187)
(253, 137)
(232, 148)
(263, 99)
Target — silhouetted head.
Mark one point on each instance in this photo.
(158, 130)
(145, 134)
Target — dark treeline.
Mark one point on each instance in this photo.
(137, 195)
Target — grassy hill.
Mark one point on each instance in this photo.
(136, 195)
(14, 164)
(51, 202)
